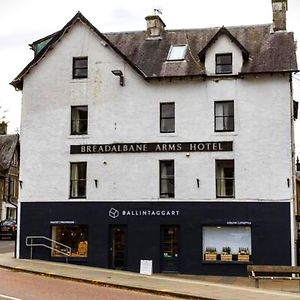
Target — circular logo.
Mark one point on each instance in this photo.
(113, 213)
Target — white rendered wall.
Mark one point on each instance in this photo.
(223, 45)
(261, 141)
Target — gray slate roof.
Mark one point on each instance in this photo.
(8, 145)
(268, 52)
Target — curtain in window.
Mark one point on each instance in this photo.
(219, 116)
(224, 116)
(225, 178)
(221, 190)
(79, 117)
(228, 116)
(76, 121)
(74, 180)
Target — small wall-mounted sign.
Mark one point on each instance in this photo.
(238, 223)
(61, 222)
(146, 267)
(151, 147)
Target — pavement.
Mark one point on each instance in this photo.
(176, 285)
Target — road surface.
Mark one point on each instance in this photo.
(24, 286)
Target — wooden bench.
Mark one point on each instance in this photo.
(273, 272)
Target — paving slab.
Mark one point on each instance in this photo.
(191, 288)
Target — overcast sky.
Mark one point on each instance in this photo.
(24, 21)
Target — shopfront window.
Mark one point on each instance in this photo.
(227, 243)
(74, 236)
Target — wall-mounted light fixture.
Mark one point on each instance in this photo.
(120, 74)
(198, 183)
(21, 183)
(96, 182)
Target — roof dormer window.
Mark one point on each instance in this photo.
(224, 63)
(176, 52)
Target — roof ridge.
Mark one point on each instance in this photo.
(188, 29)
(218, 27)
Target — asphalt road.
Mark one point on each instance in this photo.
(25, 286)
(7, 246)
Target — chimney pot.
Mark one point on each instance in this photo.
(3, 128)
(279, 14)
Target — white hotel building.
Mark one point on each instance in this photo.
(174, 146)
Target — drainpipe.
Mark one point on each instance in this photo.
(293, 205)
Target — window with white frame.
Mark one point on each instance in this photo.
(167, 183)
(80, 67)
(12, 187)
(177, 52)
(227, 243)
(79, 120)
(225, 178)
(224, 116)
(78, 180)
(167, 117)
(224, 63)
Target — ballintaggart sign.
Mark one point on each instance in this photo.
(151, 147)
(114, 213)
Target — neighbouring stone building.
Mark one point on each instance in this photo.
(9, 173)
(174, 146)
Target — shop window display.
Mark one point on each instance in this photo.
(227, 244)
(74, 236)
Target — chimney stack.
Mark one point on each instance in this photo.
(3, 128)
(280, 8)
(155, 27)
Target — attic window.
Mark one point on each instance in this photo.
(224, 63)
(80, 67)
(177, 52)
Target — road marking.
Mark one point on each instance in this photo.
(8, 297)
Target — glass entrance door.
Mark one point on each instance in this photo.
(169, 248)
(118, 247)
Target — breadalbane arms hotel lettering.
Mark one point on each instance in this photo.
(151, 147)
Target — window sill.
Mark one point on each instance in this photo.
(80, 80)
(223, 74)
(166, 134)
(219, 262)
(226, 133)
(77, 198)
(78, 136)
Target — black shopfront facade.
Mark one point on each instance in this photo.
(184, 237)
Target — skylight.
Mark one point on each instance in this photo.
(177, 52)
